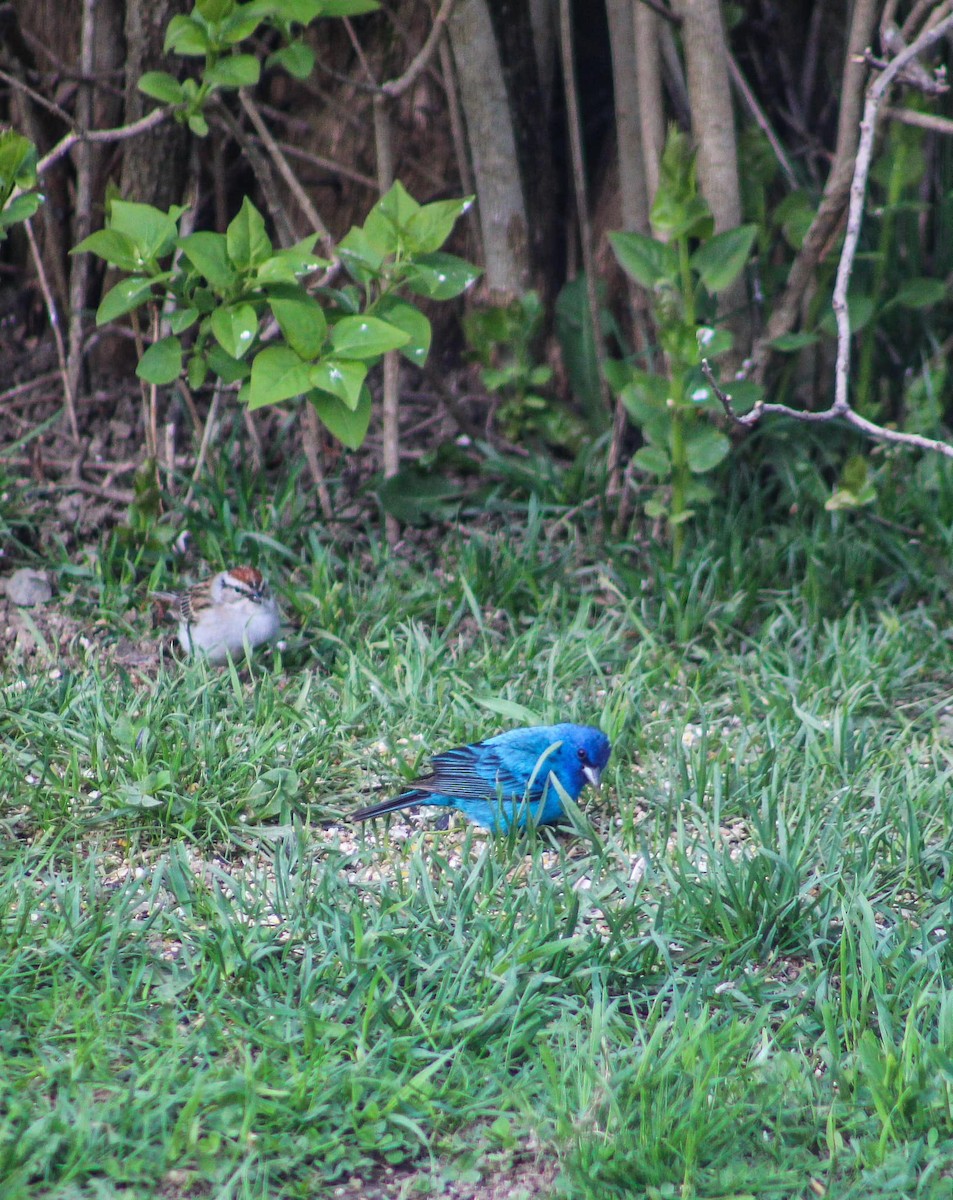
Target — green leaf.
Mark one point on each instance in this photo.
(162, 362)
(245, 21)
(713, 342)
(646, 400)
(235, 71)
(214, 11)
(366, 337)
(921, 293)
(300, 318)
(856, 488)
(196, 371)
(691, 219)
(644, 259)
(153, 231)
(789, 343)
(413, 322)
(161, 86)
(20, 209)
(235, 329)
(721, 259)
(208, 253)
(653, 460)
(578, 345)
(124, 297)
(385, 224)
(302, 12)
(416, 497)
(277, 374)
(429, 227)
(247, 243)
(347, 425)
(183, 318)
(617, 373)
(396, 206)
(17, 161)
(348, 8)
(705, 447)
(656, 507)
(184, 35)
(361, 255)
(118, 249)
(342, 379)
(284, 266)
(228, 368)
(297, 58)
(860, 309)
(440, 276)
(678, 211)
(745, 394)
(198, 125)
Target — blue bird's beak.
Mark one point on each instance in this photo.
(593, 775)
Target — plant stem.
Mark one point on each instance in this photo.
(677, 376)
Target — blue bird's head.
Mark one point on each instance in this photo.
(581, 758)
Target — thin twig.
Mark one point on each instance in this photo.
(37, 97)
(29, 385)
(311, 441)
(281, 164)
(390, 400)
(397, 87)
(923, 120)
(55, 326)
(261, 165)
(761, 120)
(203, 448)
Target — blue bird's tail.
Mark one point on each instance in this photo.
(394, 804)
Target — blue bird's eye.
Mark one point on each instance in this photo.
(583, 756)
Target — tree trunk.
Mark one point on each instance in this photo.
(153, 166)
(628, 125)
(651, 103)
(492, 138)
(713, 126)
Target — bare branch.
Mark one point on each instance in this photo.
(858, 189)
(836, 190)
(51, 312)
(761, 120)
(923, 120)
(397, 87)
(894, 436)
(119, 134)
(841, 410)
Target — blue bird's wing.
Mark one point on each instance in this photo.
(480, 772)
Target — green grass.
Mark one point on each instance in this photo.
(730, 978)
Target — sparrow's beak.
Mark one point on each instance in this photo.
(593, 774)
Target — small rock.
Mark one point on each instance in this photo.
(27, 587)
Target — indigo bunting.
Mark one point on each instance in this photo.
(507, 779)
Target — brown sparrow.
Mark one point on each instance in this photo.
(222, 615)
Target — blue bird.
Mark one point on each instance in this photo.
(507, 780)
